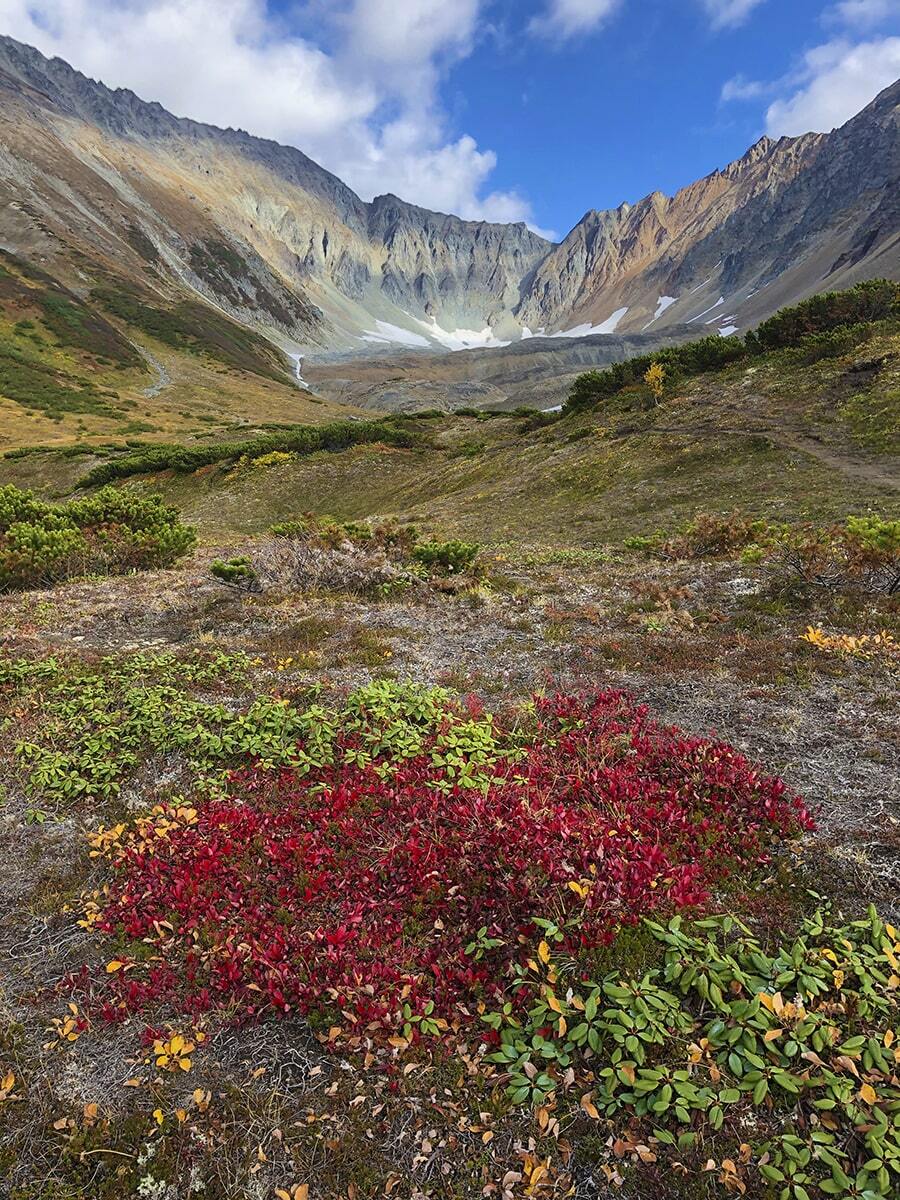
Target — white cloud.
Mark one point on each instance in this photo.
(726, 14)
(564, 18)
(739, 87)
(836, 81)
(864, 14)
(367, 108)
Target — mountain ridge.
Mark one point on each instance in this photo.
(99, 183)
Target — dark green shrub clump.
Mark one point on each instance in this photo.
(450, 558)
(693, 358)
(874, 300)
(825, 326)
(301, 439)
(236, 572)
(111, 532)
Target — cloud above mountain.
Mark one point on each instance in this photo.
(367, 107)
(836, 80)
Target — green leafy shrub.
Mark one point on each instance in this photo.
(111, 532)
(449, 558)
(791, 1050)
(824, 326)
(643, 543)
(693, 358)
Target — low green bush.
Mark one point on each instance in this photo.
(235, 572)
(783, 1060)
(824, 326)
(448, 558)
(111, 532)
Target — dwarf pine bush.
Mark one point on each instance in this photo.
(110, 532)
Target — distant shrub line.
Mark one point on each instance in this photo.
(827, 325)
(302, 439)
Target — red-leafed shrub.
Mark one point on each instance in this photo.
(380, 881)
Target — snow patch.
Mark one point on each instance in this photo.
(555, 408)
(586, 330)
(462, 339)
(662, 304)
(727, 330)
(384, 332)
(700, 285)
(297, 360)
(721, 300)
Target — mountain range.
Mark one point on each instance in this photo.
(104, 190)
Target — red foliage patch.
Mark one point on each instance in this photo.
(348, 894)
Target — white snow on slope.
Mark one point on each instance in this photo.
(721, 300)
(607, 326)
(461, 339)
(386, 333)
(727, 330)
(297, 360)
(662, 304)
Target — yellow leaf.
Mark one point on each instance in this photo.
(115, 965)
(889, 1038)
(868, 1093)
(181, 1115)
(282, 1194)
(158, 1116)
(772, 1035)
(544, 952)
(301, 1191)
(184, 1063)
(553, 1003)
(487, 1136)
(590, 1107)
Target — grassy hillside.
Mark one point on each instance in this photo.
(777, 436)
(110, 364)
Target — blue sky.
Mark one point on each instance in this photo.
(499, 109)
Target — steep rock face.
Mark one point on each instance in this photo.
(97, 184)
(449, 266)
(616, 259)
(300, 232)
